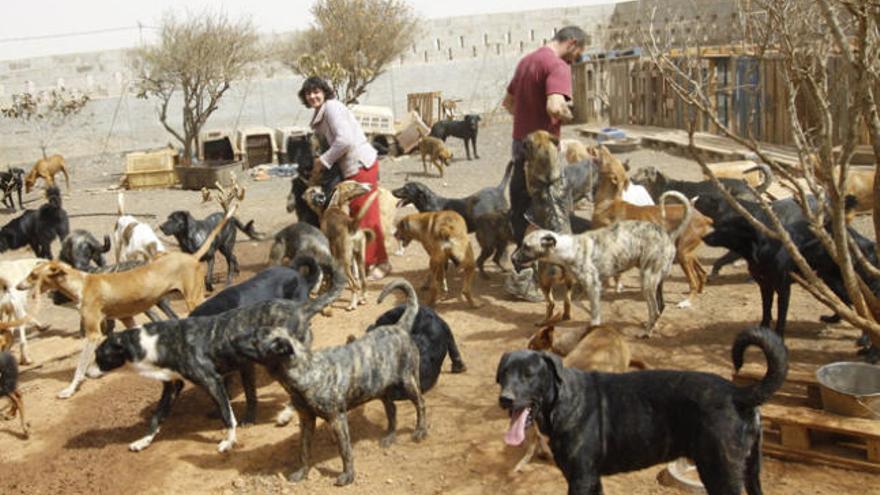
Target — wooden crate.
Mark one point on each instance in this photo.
(163, 159)
(796, 428)
(198, 176)
(150, 179)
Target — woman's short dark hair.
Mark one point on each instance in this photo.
(313, 83)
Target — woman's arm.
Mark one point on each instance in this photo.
(335, 115)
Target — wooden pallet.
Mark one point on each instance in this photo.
(796, 428)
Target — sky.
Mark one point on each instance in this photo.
(32, 28)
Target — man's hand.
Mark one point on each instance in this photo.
(317, 169)
(558, 108)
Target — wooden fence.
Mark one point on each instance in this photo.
(749, 95)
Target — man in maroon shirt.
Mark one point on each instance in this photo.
(537, 98)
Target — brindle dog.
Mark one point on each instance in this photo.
(330, 382)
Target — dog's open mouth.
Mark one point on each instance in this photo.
(520, 419)
(403, 202)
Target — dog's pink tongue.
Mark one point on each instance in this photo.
(517, 431)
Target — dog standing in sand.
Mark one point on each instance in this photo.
(436, 151)
(347, 240)
(443, 234)
(46, 168)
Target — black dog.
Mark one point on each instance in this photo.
(434, 339)
(277, 282)
(9, 389)
(607, 423)
(82, 251)
(465, 129)
(10, 181)
(485, 212)
(305, 158)
(191, 233)
(202, 350)
(771, 266)
(37, 228)
(657, 183)
(789, 211)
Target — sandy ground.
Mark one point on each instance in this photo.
(79, 445)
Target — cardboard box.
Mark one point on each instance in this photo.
(412, 128)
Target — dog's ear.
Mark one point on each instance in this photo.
(554, 362)
(502, 367)
(548, 241)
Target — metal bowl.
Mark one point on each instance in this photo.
(850, 389)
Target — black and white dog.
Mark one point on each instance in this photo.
(465, 129)
(11, 181)
(191, 233)
(607, 423)
(37, 228)
(202, 350)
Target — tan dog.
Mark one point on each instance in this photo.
(598, 348)
(610, 208)
(46, 168)
(437, 151)
(859, 183)
(444, 236)
(387, 214)
(549, 276)
(348, 242)
(123, 295)
(573, 150)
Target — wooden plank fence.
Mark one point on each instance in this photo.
(749, 95)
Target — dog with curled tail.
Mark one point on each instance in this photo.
(382, 364)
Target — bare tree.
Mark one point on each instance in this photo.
(351, 42)
(195, 61)
(46, 112)
(822, 48)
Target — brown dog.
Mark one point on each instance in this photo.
(444, 236)
(122, 295)
(598, 348)
(437, 151)
(348, 242)
(46, 168)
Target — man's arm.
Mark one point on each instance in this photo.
(508, 103)
(557, 107)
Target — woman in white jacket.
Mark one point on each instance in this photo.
(355, 157)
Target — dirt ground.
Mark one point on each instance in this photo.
(79, 445)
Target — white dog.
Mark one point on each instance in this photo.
(13, 302)
(134, 240)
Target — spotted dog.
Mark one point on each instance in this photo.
(608, 423)
(202, 350)
(598, 254)
(328, 383)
